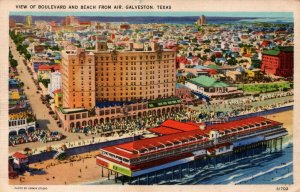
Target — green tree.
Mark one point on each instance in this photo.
(13, 63)
(206, 50)
(232, 61)
(213, 58)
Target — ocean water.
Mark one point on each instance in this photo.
(264, 168)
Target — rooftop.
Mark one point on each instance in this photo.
(163, 102)
(68, 111)
(178, 134)
(277, 50)
(19, 155)
(104, 104)
(205, 81)
(48, 67)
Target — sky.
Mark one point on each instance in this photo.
(159, 14)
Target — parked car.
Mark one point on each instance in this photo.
(51, 112)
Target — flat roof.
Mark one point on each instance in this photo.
(204, 81)
(179, 125)
(164, 130)
(68, 111)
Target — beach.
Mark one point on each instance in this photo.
(285, 117)
(63, 172)
(83, 169)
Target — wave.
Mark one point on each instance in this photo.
(283, 176)
(261, 173)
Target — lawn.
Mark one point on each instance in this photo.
(265, 87)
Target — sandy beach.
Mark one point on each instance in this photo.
(84, 169)
(63, 172)
(286, 118)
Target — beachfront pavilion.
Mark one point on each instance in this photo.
(180, 143)
(210, 88)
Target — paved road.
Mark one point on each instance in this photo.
(225, 108)
(44, 120)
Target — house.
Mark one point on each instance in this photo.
(57, 95)
(44, 71)
(20, 161)
(183, 92)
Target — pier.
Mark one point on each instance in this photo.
(203, 162)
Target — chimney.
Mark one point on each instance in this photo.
(130, 46)
(154, 46)
(101, 46)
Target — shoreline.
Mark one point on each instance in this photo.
(83, 169)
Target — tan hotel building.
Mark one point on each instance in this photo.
(103, 75)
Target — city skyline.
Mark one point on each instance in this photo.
(160, 14)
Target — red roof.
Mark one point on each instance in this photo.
(164, 130)
(179, 125)
(182, 60)
(170, 126)
(265, 43)
(56, 91)
(218, 55)
(211, 150)
(48, 67)
(247, 55)
(19, 155)
(84, 23)
(211, 71)
(131, 149)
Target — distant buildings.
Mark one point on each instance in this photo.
(201, 20)
(70, 21)
(278, 61)
(28, 21)
(12, 23)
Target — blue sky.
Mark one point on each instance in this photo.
(172, 14)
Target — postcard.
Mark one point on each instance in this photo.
(146, 95)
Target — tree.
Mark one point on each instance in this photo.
(27, 56)
(213, 58)
(256, 63)
(232, 61)
(13, 63)
(204, 57)
(206, 50)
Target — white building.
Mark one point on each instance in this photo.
(55, 82)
